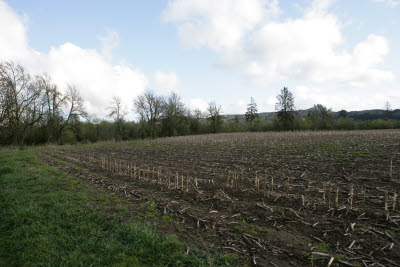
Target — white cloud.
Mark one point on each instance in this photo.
(391, 3)
(320, 6)
(14, 43)
(307, 96)
(218, 24)
(166, 82)
(109, 42)
(97, 79)
(198, 103)
(267, 50)
(307, 49)
(239, 107)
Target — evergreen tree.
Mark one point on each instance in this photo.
(252, 110)
(388, 112)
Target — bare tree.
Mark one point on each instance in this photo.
(214, 117)
(198, 114)
(21, 97)
(75, 104)
(118, 112)
(26, 102)
(195, 118)
(54, 101)
(173, 115)
(62, 111)
(4, 106)
(149, 107)
(72, 110)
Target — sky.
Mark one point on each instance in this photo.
(339, 53)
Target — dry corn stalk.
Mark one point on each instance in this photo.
(257, 182)
(387, 204)
(272, 184)
(337, 194)
(288, 185)
(132, 170)
(363, 195)
(351, 196)
(329, 196)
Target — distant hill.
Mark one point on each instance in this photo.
(362, 115)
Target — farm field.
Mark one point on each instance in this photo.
(271, 199)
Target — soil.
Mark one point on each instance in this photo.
(274, 199)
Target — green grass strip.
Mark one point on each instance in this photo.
(47, 218)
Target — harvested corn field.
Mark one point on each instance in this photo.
(272, 199)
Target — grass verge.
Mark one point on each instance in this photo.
(48, 218)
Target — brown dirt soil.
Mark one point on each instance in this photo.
(268, 197)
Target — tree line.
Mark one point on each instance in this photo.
(33, 106)
(33, 110)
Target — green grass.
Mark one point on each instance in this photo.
(166, 218)
(360, 227)
(390, 232)
(48, 218)
(138, 218)
(263, 230)
(339, 256)
(150, 209)
(250, 229)
(321, 246)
